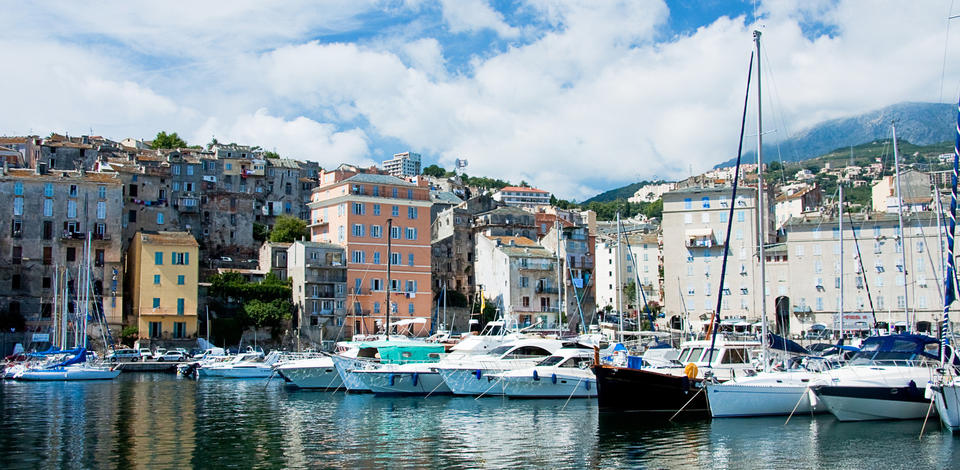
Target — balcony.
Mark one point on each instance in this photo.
(358, 291)
(547, 290)
(101, 236)
(326, 277)
(322, 294)
(67, 235)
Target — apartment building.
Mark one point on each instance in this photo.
(359, 211)
(453, 245)
(162, 276)
(319, 281)
(522, 196)
(885, 285)
(48, 219)
(694, 231)
(403, 165)
(639, 258)
(520, 278)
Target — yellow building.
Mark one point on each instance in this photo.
(163, 270)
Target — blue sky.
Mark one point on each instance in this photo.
(575, 96)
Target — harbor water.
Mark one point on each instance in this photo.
(162, 421)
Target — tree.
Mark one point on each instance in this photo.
(435, 171)
(129, 334)
(774, 166)
(167, 141)
(269, 154)
(260, 232)
(288, 230)
(260, 314)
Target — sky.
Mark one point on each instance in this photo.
(573, 96)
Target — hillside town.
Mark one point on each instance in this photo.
(165, 230)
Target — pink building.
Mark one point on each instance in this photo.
(354, 209)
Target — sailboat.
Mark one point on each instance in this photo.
(670, 390)
(75, 365)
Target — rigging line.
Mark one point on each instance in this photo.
(933, 266)
(863, 271)
(946, 44)
(777, 110)
(733, 204)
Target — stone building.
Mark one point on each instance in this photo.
(453, 246)
(574, 247)
(319, 281)
(520, 278)
(48, 219)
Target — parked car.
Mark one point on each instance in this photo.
(226, 258)
(159, 352)
(175, 356)
(121, 355)
(145, 354)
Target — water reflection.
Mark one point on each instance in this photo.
(158, 421)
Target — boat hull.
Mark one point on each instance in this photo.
(547, 387)
(472, 381)
(318, 376)
(853, 403)
(68, 374)
(947, 399)
(345, 367)
(403, 382)
(646, 391)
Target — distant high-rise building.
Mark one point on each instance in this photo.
(403, 164)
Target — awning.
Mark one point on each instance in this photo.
(699, 232)
(733, 322)
(409, 321)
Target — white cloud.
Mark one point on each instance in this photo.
(475, 15)
(301, 138)
(587, 94)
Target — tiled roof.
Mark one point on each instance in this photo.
(57, 175)
(377, 179)
(523, 189)
(168, 238)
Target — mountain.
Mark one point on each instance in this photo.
(917, 123)
(622, 192)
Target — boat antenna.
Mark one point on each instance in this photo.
(715, 318)
(902, 239)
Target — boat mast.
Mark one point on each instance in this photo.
(619, 281)
(761, 217)
(556, 228)
(55, 333)
(903, 238)
(840, 227)
(389, 264)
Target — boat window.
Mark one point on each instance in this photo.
(708, 357)
(552, 360)
(683, 355)
(695, 354)
(367, 352)
(434, 355)
(734, 356)
(499, 350)
(526, 352)
(406, 354)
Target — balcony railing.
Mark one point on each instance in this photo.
(547, 290)
(101, 236)
(73, 236)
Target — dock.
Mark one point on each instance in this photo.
(149, 366)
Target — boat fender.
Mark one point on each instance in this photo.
(479, 374)
(536, 376)
(416, 378)
(812, 396)
(586, 385)
(690, 371)
(392, 378)
(928, 391)
(554, 378)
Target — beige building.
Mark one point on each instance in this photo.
(694, 231)
(814, 271)
(644, 249)
(162, 273)
(916, 187)
(520, 278)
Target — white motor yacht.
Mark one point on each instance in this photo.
(474, 375)
(886, 379)
(251, 365)
(317, 372)
(565, 374)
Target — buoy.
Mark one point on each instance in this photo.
(392, 378)
(479, 374)
(586, 385)
(536, 376)
(416, 377)
(554, 378)
(690, 371)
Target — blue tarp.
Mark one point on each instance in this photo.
(80, 357)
